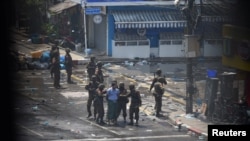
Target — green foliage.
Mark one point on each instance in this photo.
(49, 29)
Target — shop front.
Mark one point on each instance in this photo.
(145, 31)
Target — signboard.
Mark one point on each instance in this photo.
(93, 11)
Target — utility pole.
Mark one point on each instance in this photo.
(83, 3)
(189, 87)
(187, 10)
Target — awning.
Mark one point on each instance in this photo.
(212, 13)
(58, 8)
(149, 19)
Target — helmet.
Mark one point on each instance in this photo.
(93, 77)
(121, 84)
(99, 64)
(131, 86)
(158, 71)
(67, 50)
(92, 58)
(101, 86)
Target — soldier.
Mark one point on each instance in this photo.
(160, 80)
(91, 66)
(51, 65)
(158, 92)
(134, 105)
(99, 72)
(56, 68)
(98, 103)
(122, 101)
(91, 87)
(68, 65)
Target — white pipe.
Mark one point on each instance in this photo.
(85, 28)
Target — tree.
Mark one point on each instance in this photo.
(33, 10)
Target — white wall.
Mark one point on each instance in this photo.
(142, 51)
(171, 51)
(169, 48)
(212, 50)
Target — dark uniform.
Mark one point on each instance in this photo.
(98, 103)
(158, 90)
(91, 87)
(122, 101)
(91, 67)
(51, 65)
(56, 68)
(68, 65)
(99, 72)
(134, 105)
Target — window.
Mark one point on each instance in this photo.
(131, 43)
(143, 43)
(211, 42)
(165, 42)
(177, 42)
(119, 43)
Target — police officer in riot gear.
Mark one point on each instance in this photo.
(68, 65)
(134, 105)
(158, 84)
(98, 103)
(91, 87)
(91, 67)
(158, 92)
(99, 72)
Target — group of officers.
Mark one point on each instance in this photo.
(55, 65)
(117, 96)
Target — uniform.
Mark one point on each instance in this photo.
(158, 83)
(122, 101)
(99, 73)
(56, 68)
(91, 87)
(91, 67)
(134, 105)
(68, 65)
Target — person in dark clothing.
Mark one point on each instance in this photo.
(99, 72)
(158, 92)
(51, 65)
(68, 65)
(91, 67)
(122, 101)
(134, 105)
(91, 87)
(56, 68)
(98, 103)
(158, 78)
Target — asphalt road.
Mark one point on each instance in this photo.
(45, 113)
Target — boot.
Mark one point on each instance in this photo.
(102, 122)
(131, 122)
(89, 115)
(136, 123)
(115, 122)
(97, 120)
(124, 119)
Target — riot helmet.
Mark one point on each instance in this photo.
(158, 72)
